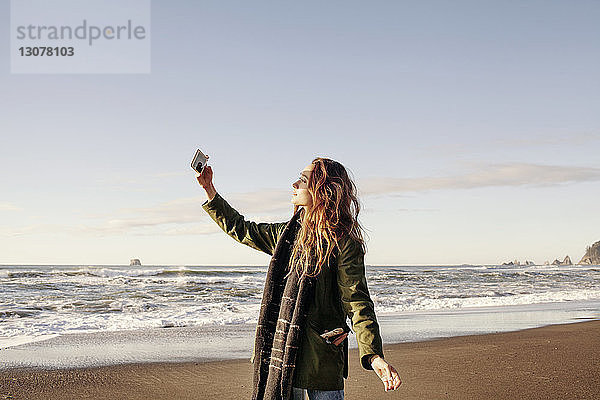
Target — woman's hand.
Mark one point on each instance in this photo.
(205, 180)
(388, 374)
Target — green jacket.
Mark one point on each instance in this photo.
(340, 291)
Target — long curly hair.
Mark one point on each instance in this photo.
(332, 216)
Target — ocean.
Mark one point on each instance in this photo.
(39, 303)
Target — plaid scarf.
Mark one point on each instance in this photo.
(280, 322)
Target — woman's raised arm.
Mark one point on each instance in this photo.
(259, 236)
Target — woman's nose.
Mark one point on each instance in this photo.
(295, 185)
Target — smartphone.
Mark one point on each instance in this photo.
(199, 161)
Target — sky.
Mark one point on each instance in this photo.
(472, 130)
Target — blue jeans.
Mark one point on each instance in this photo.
(313, 394)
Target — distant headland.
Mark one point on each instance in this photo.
(591, 257)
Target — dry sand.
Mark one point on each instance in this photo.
(552, 362)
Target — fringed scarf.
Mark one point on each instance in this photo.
(281, 321)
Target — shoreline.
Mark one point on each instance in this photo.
(553, 361)
(231, 342)
(236, 341)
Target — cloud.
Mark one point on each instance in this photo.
(31, 229)
(515, 174)
(572, 139)
(4, 206)
(182, 216)
(136, 228)
(185, 216)
(264, 201)
(579, 138)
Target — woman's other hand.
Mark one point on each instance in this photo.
(387, 373)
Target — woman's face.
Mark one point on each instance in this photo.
(301, 196)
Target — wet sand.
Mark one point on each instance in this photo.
(551, 362)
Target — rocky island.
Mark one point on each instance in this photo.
(566, 261)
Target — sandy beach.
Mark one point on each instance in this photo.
(551, 362)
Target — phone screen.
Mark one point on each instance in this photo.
(199, 161)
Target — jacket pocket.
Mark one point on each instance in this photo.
(319, 330)
(320, 363)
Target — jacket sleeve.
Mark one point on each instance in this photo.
(356, 301)
(259, 236)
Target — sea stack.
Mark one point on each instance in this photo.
(135, 261)
(592, 255)
(566, 261)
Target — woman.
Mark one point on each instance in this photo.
(315, 280)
